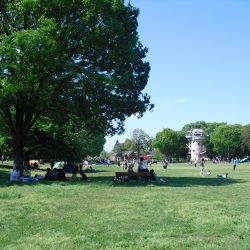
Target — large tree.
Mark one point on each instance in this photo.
(68, 142)
(227, 140)
(118, 148)
(140, 141)
(171, 143)
(59, 58)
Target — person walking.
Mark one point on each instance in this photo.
(235, 163)
(202, 163)
(165, 163)
(2, 159)
(195, 163)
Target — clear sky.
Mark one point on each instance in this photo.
(199, 52)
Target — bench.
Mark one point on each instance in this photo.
(133, 175)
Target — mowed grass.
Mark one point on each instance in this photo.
(186, 212)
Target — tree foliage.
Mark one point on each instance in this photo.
(128, 145)
(171, 143)
(246, 139)
(68, 142)
(226, 140)
(118, 148)
(140, 141)
(208, 127)
(59, 59)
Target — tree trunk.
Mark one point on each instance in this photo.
(138, 153)
(19, 142)
(18, 153)
(27, 157)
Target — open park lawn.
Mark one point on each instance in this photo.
(185, 212)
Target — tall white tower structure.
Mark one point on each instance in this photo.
(196, 146)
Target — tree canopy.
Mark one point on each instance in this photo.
(208, 127)
(140, 141)
(61, 58)
(226, 140)
(171, 143)
(246, 139)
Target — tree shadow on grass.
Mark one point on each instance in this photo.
(5, 174)
(92, 180)
(95, 180)
(200, 181)
(183, 182)
(6, 166)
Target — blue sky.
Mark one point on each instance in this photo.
(199, 52)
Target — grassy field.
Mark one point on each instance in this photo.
(186, 212)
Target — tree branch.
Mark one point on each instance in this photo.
(6, 115)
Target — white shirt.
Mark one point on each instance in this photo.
(142, 165)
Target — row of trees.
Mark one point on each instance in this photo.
(221, 140)
(70, 74)
(139, 142)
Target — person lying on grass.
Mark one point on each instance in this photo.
(225, 176)
(153, 176)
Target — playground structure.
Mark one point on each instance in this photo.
(196, 146)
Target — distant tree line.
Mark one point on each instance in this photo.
(222, 140)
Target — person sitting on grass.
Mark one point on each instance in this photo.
(130, 169)
(85, 164)
(131, 176)
(27, 171)
(49, 175)
(152, 175)
(225, 176)
(83, 176)
(61, 175)
(15, 175)
(74, 171)
(35, 165)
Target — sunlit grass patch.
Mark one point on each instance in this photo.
(186, 212)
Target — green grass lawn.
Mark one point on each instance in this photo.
(186, 212)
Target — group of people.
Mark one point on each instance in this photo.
(16, 175)
(127, 163)
(202, 165)
(51, 174)
(143, 167)
(60, 174)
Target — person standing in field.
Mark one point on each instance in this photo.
(202, 163)
(195, 163)
(165, 163)
(235, 163)
(2, 158)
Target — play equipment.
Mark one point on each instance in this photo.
(196, 146)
